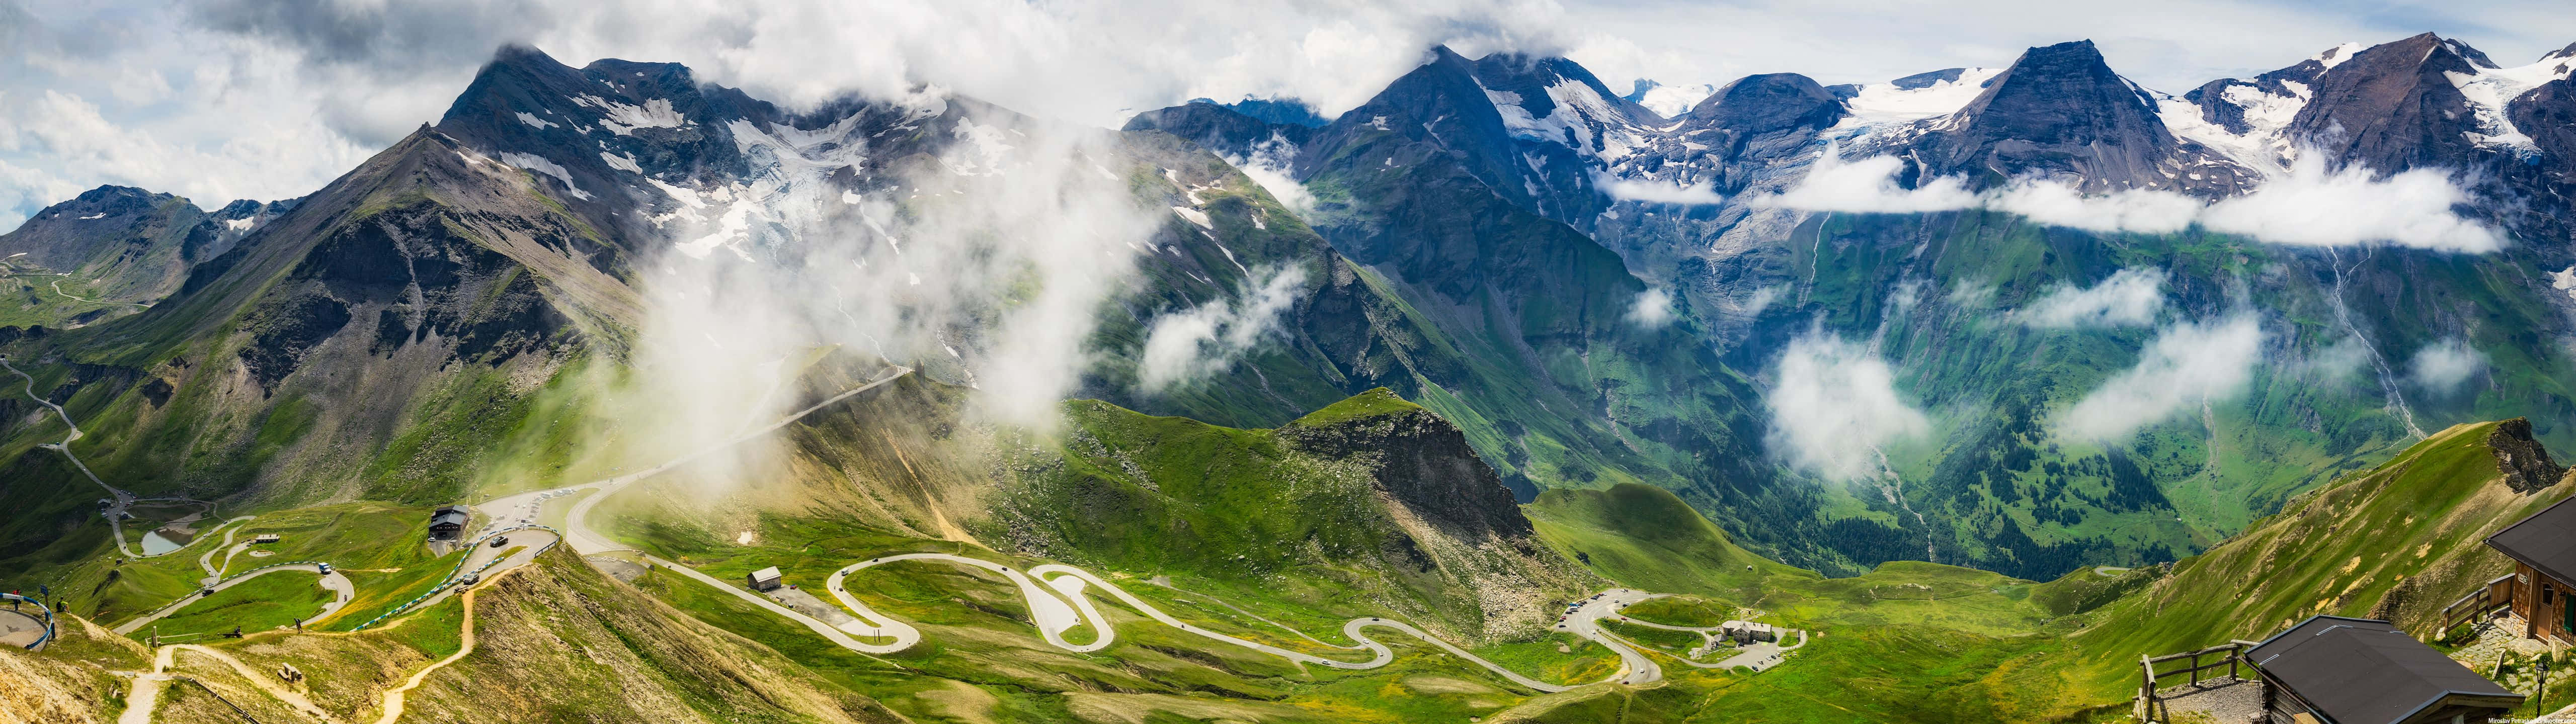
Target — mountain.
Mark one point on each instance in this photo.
(1667, 101)
(2060, 111)
(116, 247)
(1752, 277)
(1490, 342)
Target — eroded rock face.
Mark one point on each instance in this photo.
(2525, 463)
(2391, 107)
(2060, 112)
(1770, 103)
(1424, 464)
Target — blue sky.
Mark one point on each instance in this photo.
(266, 99)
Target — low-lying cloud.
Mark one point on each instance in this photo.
(1835, 405)
(2128, 297)
(1270, 164)
(2312, 206)
(1652, 310)
(2308, 207)
(1206, 339)
(1867, 186)
(1656, 192)
(2187, 365)
(2443, 367)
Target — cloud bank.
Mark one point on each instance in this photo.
(2308, 207)
(1270, 165)
(1652, 310)
(1867, 186)
(2128, 297)
(2315, 208)
(1835, 405)
(990, 279)
(1188, 345)
(2442, 367)
(2187, 365)
(1656, 192)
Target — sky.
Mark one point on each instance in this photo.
(218, 100)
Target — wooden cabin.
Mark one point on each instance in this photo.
(2543, 549)
(2337, 670)
(448, 523)
(764, 579)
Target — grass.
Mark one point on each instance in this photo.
(268, 602)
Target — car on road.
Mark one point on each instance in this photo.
(325, 568)
(500, 540)
(469, 579)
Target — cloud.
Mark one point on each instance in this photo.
(2128, 297)
(1270, 166)
(271, 99)
(1867, 186)
(2188, 365)
(2443, 367)
(1835, 405)
(1763, 299)
(1655, 192)
(1183, 346)
(2137, 211)
(2312, 206)
(2308, 207)
(1652, 310)
(991, 280)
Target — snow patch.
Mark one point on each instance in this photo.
(1884, 103)
(540, 165)
(1194, 216)
(1673, 101)
(94, 217)
(623, 119)
(624, 162)
(535, 122)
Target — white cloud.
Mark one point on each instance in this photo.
(1269, 165)
(1835, 405)
(1867, 186)
(1182, 346)
(2187, 365)
(1652, 310)
(2443, 367)
(2138, 211)
(2316, 207)
(2307, 207)
(1656, 192)
(2128, 297)
(1763, 299)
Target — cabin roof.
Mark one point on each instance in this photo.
(2546, 541)
(768, 573)
(2364, 671)
(448, 516)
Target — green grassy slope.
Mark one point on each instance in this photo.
(2397, 542)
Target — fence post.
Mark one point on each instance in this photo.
(2195, 668)
(2235, 653)
(2146, 688)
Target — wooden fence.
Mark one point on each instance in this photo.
(2230, 656)
(2486, 599)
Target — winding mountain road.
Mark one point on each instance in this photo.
(121, 500)
(332, 582)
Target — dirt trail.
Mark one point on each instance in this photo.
(394, 696)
